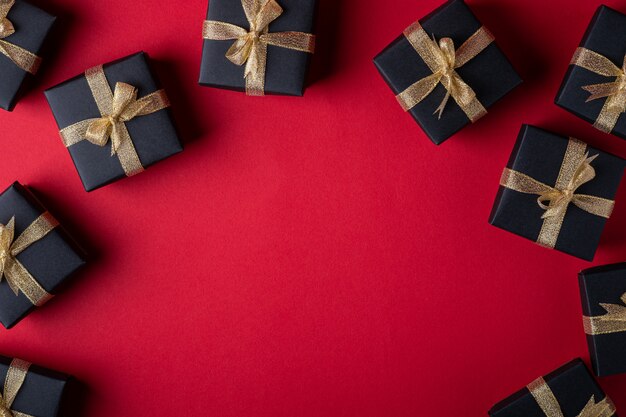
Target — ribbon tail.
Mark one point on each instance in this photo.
(442, 106)
(417, 92)
(255, 70)
(598, 91)
(24, 59)
(26, 283)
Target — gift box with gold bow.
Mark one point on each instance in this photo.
(569, 391)
(603, 294)
(37, 256)
(28, 390)
(258, 46)
(557, 192)
(446, 70)
(114, 120)
(23, 30)
(594, 87)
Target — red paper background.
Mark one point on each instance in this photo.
(312, 256)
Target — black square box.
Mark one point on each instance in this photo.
(490, 74)
(540, 154)
(153, 135)
(51, 260)
(603, 288)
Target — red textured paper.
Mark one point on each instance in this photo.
(313, 256)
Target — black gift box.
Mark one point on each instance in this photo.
(153, 135)
(41, 394)
(539, 154)
(286, 69)
(489, 74)
(605, 35)
(51, 260)
(572, 385)
(604, 285)
(32, 26)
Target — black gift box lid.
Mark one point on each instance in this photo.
(606, 35)
(286, 69)
(489, 74)
(604, 285)
(572, 385)
(539, 154)
(32, 26)
(51, 260)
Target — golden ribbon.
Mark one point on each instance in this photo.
(250, 46)
(13, 382)
(576, 170)
(115, 108)
(548, 403)
(17, 276)
(24, 59)
(614, 321)
(614, 91)
(443, 60)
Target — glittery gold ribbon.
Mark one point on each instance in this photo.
(443, 60)
(24, 59)
(250, 46)
(576, 170)
(614, 321)
(550, 406)
(13, 382)
(17, 276)
(614, 91)
(116, 108)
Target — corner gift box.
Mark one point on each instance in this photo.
(557, 192)
(37, 256)
(446, 70)
(114, 120)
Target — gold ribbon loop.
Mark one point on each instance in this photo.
(550, 406)
(250, 46)
(16, 375)
(614, 91)
(116, 108)
(576, 170)
(24, 59)
(614, 321)
(443, 59)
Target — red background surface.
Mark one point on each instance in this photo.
(305, 257)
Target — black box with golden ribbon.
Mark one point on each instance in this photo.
(23, 30)
(29, 390)
(37, 255)
(603, 294)
(446, 70)
(570, 391)
(594, 87)
(258, 46)
(557, 191)
(114, 120)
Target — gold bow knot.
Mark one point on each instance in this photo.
(24, 59)
(250, 46)
(550, 406)
(614, 321)
(16, 375)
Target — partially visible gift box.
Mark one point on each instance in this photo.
(603, 294)
(446, 70)
(23, 30)
(114, 120)
(30, 390)
(258, 46)
(37, 256)
(593, 87)
(569, 391)
(557, 192)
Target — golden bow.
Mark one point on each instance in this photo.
(614, 91)
(614, 321)
(250, 47)
(576, 170)
(116, 108)
(24, 59)
(17, 276)
(443, 60)
(550, 406)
